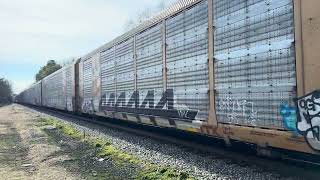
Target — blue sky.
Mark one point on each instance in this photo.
(35, 31)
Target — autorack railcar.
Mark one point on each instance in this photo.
(31, 96)
(58, 89)
(242, 70)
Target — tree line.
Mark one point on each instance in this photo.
(5, 91)
(48, 69)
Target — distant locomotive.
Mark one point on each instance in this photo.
(243, 70)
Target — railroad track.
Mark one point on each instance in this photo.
(242, 154)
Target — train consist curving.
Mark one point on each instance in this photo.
(243, 70)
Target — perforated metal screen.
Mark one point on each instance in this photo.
(125, 69)
(53, 91)
(107, 63)
(187, 58)
(149, 63)
(254, 61)
(87, 79)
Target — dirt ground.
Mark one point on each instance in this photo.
(28, 151)
(25, 149)
(35, 146)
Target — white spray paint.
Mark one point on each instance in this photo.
(237, 109)
(309, 121)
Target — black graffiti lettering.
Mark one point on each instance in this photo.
(308, 123)
(134, 100)
(315, 132)
(133, 106)
(111, 100)
(149, 99)
(167, 98)
(121, 101)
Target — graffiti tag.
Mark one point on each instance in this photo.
(289, 115)
(238, 109)
(87, 106)
(309, 119)
(163, 108)
(69, 104)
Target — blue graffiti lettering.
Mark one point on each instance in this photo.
(289, 115)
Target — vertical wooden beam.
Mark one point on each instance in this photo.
(212, 112)
(164, 55)
(299, 48)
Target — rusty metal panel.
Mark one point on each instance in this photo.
(254, 61)
(124, 71)
(187, 59)
(149, 63)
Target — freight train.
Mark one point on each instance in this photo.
(238, 70)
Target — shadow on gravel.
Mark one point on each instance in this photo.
(79, 158)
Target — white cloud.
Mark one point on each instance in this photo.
(18, 86)
(34, 31)
(46, 29)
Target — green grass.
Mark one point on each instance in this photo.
(154, 172)
(106, 150)
(66, 129)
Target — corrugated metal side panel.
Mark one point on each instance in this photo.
(176, 7)
(187, 59)
(81, 101)
(32, 95)
(38, 94)
(107, 65)
(254, 61)
(53, 91)
(96, 82)
(125, 70)
(69, 76)
(87, 79)
(149, 63)
(69, 81)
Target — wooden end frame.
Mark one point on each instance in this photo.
(212, 121)
(299, 48)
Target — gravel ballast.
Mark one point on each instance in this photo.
(197, 164)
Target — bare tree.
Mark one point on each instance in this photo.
(67, 61)
(144, 15)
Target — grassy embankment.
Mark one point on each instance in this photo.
(105, 149)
